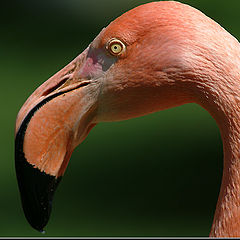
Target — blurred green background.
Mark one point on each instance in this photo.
(157, 175)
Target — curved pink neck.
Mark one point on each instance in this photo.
(218, 91)
(227, 216)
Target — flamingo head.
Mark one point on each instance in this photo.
(138, 64)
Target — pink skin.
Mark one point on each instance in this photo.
(174, 55)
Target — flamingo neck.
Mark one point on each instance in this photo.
(226, 221)
(218, 91)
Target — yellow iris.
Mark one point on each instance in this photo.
(115, 47)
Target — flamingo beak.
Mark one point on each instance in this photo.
(52, 122)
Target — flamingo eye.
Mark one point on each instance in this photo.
(115, 47)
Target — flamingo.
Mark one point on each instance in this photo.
(156, 56)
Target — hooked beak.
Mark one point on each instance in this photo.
(52, 122)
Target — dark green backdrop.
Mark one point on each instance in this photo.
(158, 175)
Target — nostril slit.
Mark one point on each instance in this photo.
(52, 89)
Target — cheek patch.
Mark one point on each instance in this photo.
(97, 62)
(91, 69)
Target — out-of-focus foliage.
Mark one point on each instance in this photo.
(158, 175)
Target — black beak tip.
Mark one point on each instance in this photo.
(36, 189)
